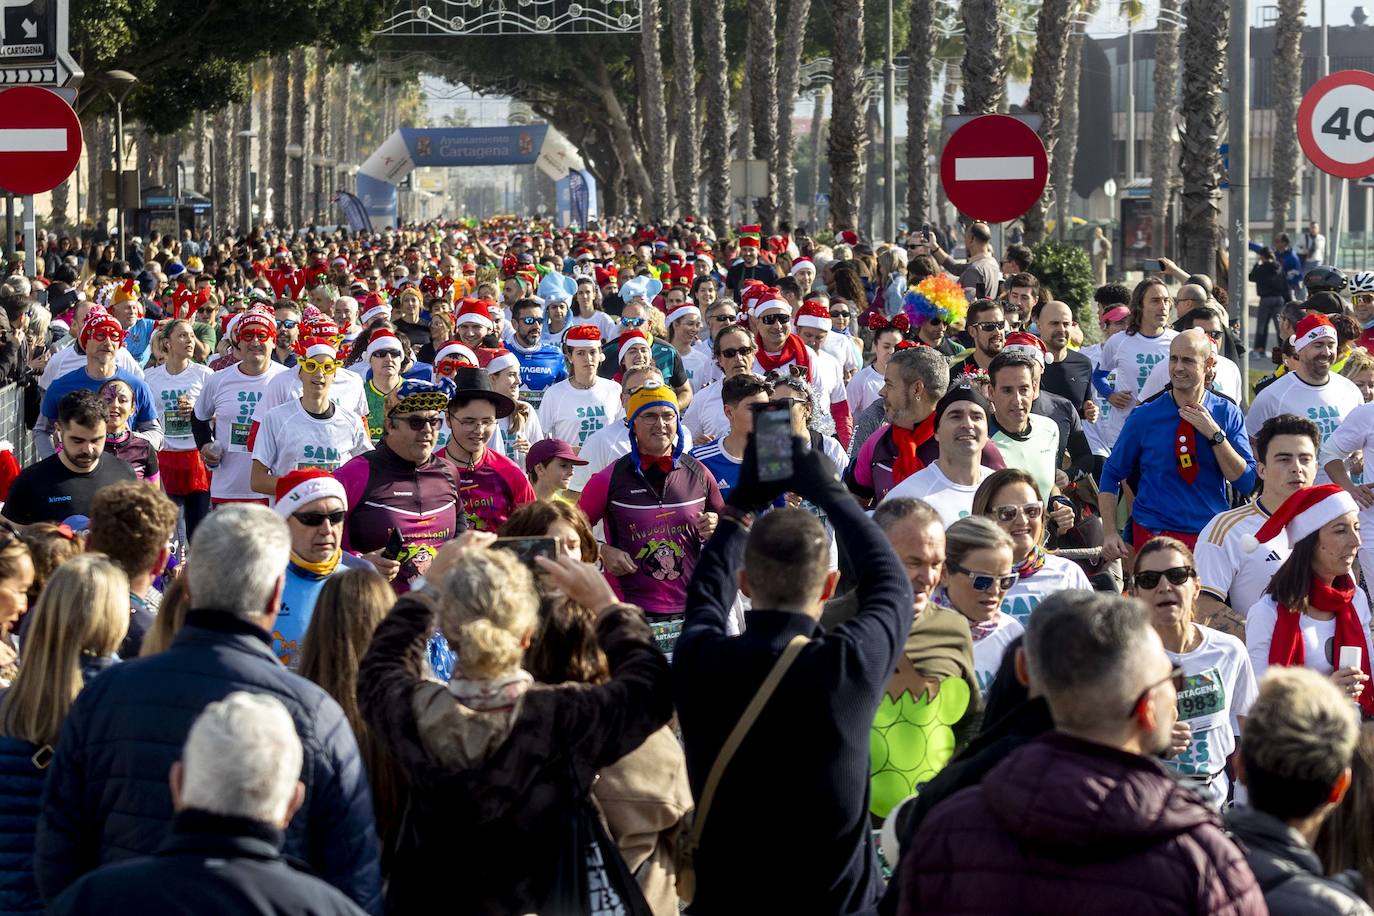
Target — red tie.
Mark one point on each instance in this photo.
(663, 462)
(1185, 451)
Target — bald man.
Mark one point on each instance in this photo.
(1186, 444)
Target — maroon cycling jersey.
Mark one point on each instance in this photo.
(652, 517)
(387, 492)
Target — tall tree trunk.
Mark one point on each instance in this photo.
(221, 152)
(145, 160)
(320, 138)
(1287, 168)
(920, 50)
(985, 64)
(872, 205)
(813, 188)
(686, 149)
(946, 109)
(244, 117)
(846, 146)
(1052, 28)
(744, 126)
(275, 119)
(761, 62)
(789, 65)
(1204, 59)
(1068, 135)
(1163, 147)
(298, 113)
(200, 135)
(97, 136)
(716, 102)
(656, 122)
(596, 79)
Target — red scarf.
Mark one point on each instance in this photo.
(793, 351)
(1287, 649)
(907, 442)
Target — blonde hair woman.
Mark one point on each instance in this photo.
(511, 760)
(79, 620)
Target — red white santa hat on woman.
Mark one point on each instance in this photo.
(373, 308)
(456, 349)
(801, 264)
(475, 311)
(316, 348)
(682, 311)
(301, 488)
(1306, 511)
(629, 338)
(813, 314)
(1312, 329)
(499, 360)
(583, 335)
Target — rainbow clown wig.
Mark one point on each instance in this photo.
(938, 296)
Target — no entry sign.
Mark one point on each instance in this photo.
(994, 168)
(1336, 124)
(40, 140)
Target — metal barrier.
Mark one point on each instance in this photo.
(12, 428)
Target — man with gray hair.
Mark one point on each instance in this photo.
(107, 800)
(1085, 807)
(234, 790)
(1300, 737)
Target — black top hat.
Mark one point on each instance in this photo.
(474, 384)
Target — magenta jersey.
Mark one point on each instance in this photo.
(492, 489)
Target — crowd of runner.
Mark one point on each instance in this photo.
(610, 570)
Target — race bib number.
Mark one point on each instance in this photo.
(177, 426)
(1202, 701)
(238, 433)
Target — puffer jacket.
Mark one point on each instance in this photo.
(1289, 873)
(107, 799)
(491, 792)
(1063, 825)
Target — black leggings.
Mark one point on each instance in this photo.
(195, 506)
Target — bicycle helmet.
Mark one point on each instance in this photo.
(1362, 282)
(1324, 279)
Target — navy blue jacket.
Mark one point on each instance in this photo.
(107, 798)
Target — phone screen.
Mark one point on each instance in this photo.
(774, 428)
(1151, 264)
(529, 548)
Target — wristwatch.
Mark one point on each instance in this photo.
(1218, 437)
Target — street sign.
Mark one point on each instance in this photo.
(40, 139)
(33, 44)
(1336, 124)
(994, 168)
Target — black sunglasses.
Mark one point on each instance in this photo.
(732, 352)
(418, 424)
(989, 326)
(1215, 335)
(841, 315)
(1176, 576)
(776, 318)
(983, 582)
(1175, 675)
(725, 319)
(316, 519)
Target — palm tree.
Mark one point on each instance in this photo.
(319, 141)
(919, 87)
(813, 189)
(298, 114)
(716, 102)
(1284, 89)
(845, 149)
(1052, 29)
(221, 154)
(655, 110)
(985, 60)
(872, 205)
(947, 97)
(243, 120)
(789, 65)
(686, 150)
(272, 137)
(1204, 58)
(1163, 154)
(763, 87)
(1067, 148)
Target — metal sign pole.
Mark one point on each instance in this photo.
(30, 237)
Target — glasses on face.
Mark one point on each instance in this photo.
(989, 326)
(419, 424)
(631, 322)
(474, 422)
(1215, 335)
(1176, 576)
(530, 321)
(287, 324)
(327, 366)
(1175, 675)
(1364, 298)
(984, 582)
(387, 354)
(776, 318)
(663, 418)
(732, 352)
(450, 366)
(104, 334)
(316, 519)
(254, 337)
(725, 318)
(1031, 511)
(842, 316)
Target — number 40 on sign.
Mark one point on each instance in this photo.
(1336, 124)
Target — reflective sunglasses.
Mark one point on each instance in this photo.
(989, 326)
(776, 318)
(1031, 511)
(732, 352)
(725, 318)
(984, 582)
(530, 320)
(1363, 298)
(316, 519)
(419, 424)
(1175, 675)
(287, 324)
(631, 322)
(394, 354)
(328, 366)
(1176, 576)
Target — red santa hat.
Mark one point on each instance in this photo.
(455, 349)
(849, 237)
(374, 307)
(300, 488)
(1306, 511)
(682, 311)
(1029, 344)
(475, 311)
(748, 242)
(632, 337)
(383, 340)
(497, 359)
(801, 264)
(813, 314)
(253, 318)
(316, 348)
(98, 317)
(772, 303)
(583, 335)
(1312, 329)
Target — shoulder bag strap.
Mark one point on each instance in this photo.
(746, 721)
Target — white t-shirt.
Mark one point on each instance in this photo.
(1227, 380)
(1057, 575)
(347, 391)
(1095, 429)
(1327, 405)
(167, 390)
(1220, 686)
(1227, 572)
(573, 414)
(701, 369)
(864, 388)
(288, 439)
(609, 327)
(1318, 636)
(69, 359)
(504, 440)
(1132, 357)
(952, 500)
(606, 445)
(988, 651)
(230, 396)
(841, 346)
(827, 378)
(705, 416)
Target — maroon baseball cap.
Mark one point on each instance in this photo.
(548, 449)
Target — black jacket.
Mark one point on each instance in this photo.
(1289, 873)
(211, 866)
(106, 797)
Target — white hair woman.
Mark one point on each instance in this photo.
(509, 760)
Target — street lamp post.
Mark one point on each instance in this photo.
(889, 138)
(246, 200)
(122, 83)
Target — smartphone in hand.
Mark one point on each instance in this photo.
(776, 423)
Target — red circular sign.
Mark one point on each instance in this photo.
(1336, 124)
(40, 140)
(994, 168)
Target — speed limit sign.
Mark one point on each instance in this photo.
(1336, 124)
